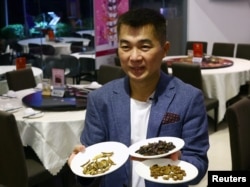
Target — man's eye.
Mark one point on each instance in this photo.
(124, 47)
(145, 47)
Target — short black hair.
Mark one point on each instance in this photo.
(144, 16)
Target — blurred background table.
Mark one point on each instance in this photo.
(61, 45)
(52, 136)
(223, 83)
(38, 73)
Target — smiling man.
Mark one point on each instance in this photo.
(146, 103)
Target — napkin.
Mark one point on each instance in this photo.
(11, 94)
(94, 85)
(28, 112)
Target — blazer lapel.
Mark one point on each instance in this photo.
(160, 104)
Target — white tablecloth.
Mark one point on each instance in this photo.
(223, 83)
(91, 32)
(62, 47)
(38, 73)
(52, 136)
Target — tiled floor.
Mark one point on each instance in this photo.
(219, 153)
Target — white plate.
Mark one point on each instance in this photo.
(143, 170)
(35, 115)
(119, 157)
(179, 143)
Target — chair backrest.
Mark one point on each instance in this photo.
(15, 46)
(20, 79)
(5, 59)
(164, 67)
(188, 73)
(48, 50)
(223, 49)
(13, 170)
(35, 49)
(189, 46)
(71, 65)
(238, 119)
(108, 73)
(49, 64)
(87, 65)
(117, 61)
(76, 46)
(243, 51)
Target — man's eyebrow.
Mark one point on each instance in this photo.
(123, 41)
(140, 41)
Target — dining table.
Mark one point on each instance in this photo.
(61, 45)
(219, 81)
(38, 73)
(90, 32)
(52, 135)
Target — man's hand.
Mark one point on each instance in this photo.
(77, 149)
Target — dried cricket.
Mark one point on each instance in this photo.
(99, 164)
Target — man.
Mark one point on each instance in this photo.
(146, 103)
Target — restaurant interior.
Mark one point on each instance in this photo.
(55, 42)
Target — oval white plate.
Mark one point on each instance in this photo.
(179, 143)
(143, 170)
(119, 157)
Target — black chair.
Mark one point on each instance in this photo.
(243, 51)
(238, 118)
(20, 79)
(16, 170)
(17, 49)
(76, 46)
(189, 46)
(49, 64)
(164, 67)
(108, 73)
(223, 49)
(71, 67)
(35, 49)
(5, 59)
(191, 74)
(48, 50)
(117, 61)
(87, 70)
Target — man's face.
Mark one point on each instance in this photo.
(140, 52)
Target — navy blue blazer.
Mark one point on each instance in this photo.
(177, 110)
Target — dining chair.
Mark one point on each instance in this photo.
(189, 46)
(117, 61)
(238, 118)
(5, 59)
(164, 67)
(35, 49)
(17, 49)
(223, 49)
(76, 46)
(16, 170)
(107, 73)
(191, 74)
(87, 70)
(20, 79)
(71, 67)
(243, 51)
(49, 64)
(48, 50)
